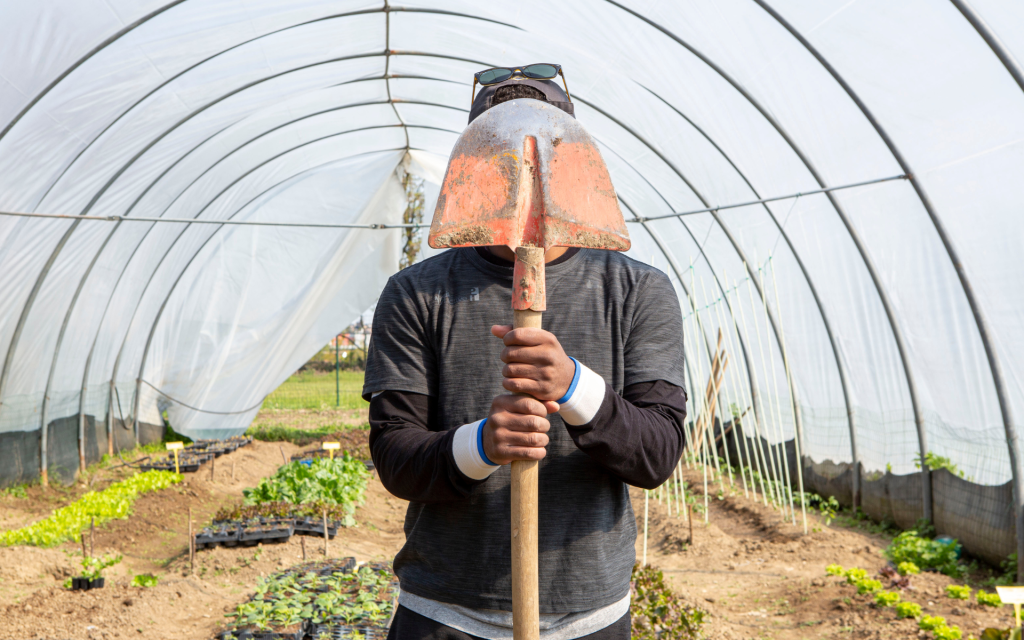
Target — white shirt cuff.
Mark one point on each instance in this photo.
(585, 400)
(468, 452)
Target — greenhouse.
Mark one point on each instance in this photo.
(197, 195)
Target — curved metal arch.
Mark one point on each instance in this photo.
(131, 27)
(44, 272)
(100, 47)
(676, 171)
(199, 213)
(840, 368)
(979, 316)
(170, 292)
(1012, 443)
(16, 337)
(798, 427)
(670, 258)
(46, 395)
(876, 280)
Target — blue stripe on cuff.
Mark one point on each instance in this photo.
(575, 381)
(480, 443)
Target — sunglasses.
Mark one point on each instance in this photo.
(542, 71)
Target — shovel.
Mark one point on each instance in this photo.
(526, 175)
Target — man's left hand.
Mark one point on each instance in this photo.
(534, 363)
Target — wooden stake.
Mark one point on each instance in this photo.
(302, 540)
(232, 471)
(283, 457)
(92, 537)
(325, 534)
(191, 545)
(213, 462)
(647, 497)
(85, 551)
(690, 519)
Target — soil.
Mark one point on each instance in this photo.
(757, 576)
(760, 576)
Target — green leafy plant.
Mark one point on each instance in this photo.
(855, 575)
(928, 623)
(657, 612)
(93, 566)
(17, 491)
(114, 502)
(828, 507)
(908, 569)
(145, 580)
(958, 592)
(988, 599)
(1009, 572)
(924, 553)
(868, 585)
(341, 481)
(908, 610)
(946, 632)
(936, 462)
(886, 598)
(834, 570)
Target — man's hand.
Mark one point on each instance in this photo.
(517, 429)
(534, 363)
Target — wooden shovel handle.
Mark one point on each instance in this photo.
(525, 590)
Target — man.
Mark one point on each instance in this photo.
(605, 408)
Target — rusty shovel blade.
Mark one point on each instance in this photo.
(526, 173)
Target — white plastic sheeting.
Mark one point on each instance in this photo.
(302, 111)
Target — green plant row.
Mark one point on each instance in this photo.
(113, 503)
(341, 481)
(301, 437)
(936, 624)
(657, 612)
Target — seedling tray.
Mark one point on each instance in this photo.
(227, 534)
(345, 632)
(254, 534)
(246, 634)
(85, 584)
(310, 526)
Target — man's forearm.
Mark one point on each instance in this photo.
(414, 463)
(639, 436)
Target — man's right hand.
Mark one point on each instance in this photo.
(517, 428)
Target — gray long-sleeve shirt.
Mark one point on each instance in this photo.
(620, 319)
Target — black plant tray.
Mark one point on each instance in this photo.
(324, 567)
(227, 535)
(251, 535)
(246, 634)
(345, 631)
(312, 526)
(85, 584)
(188, 465)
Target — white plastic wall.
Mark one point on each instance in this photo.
(203, 109)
